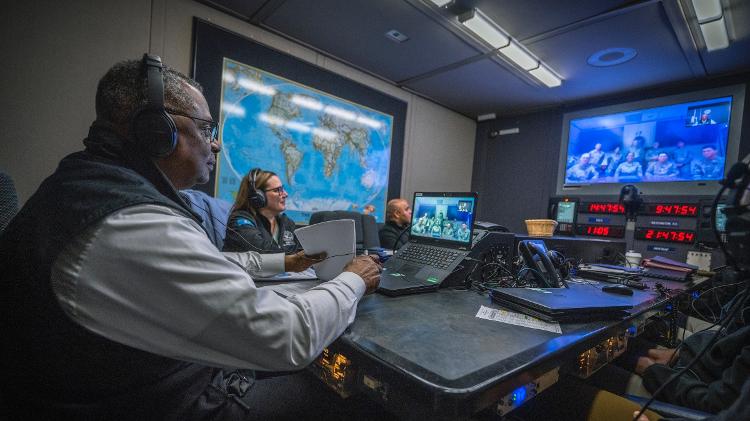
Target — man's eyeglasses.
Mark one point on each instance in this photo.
(209, 128)
(277, 190)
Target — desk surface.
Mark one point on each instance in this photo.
(437, 339)
(433, 346)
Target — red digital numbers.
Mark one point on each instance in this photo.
(677, 210)
(615, 208)
(597, 230)
(669, 235)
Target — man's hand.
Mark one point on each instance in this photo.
(663, 356)
(642, 364)
(300, 261)
(368, 267)
(643, 417)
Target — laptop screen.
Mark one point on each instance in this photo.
(443, 218)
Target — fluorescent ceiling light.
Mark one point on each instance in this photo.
(546, 76)
(715, 34)
(481, 25)
(706, 10)
(519, 56)
(441, 3)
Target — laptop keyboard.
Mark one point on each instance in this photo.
(426, 255)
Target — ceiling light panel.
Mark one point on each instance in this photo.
(546, 76)
(478, 23)
(519, 56)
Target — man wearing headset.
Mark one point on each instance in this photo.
(116, 304)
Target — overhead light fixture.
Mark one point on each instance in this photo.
(710, 17)
(441, 3)
(481, 25)
(485, 28)
(520, 56)
(545, 75)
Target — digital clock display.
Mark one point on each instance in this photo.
(604, 207)
(612, 231)
(670, 209)
(671, 236)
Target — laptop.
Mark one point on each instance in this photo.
(579, 303)
(440, 237)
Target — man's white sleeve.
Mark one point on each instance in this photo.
(150, 278)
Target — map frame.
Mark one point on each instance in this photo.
(211, 44)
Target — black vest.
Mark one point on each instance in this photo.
(51, 366)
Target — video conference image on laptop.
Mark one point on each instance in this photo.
(445, 218)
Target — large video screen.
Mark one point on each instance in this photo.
(683, 141)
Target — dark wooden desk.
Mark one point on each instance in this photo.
(428, 355)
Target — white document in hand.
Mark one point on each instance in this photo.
(336, 238)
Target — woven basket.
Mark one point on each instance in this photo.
(541, 227)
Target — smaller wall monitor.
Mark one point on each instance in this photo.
(565, 211)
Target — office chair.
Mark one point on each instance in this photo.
(364, 225)
(214, 211)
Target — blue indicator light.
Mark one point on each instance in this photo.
(519, 394)
(696, 295)
(669, 307)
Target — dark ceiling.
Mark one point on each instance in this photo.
(445, 63)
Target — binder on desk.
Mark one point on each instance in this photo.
(659, 267)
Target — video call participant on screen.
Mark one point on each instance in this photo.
(630, 170)
(709, 166)
(116, 303)
(662, 168)
(257, 222)
(596, 154)
(704, 119)
(583, 170)
(397, 219)
(681, 157)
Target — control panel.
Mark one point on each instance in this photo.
(664, 226)
(593, 359)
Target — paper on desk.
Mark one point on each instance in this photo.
(518, 319)
(336, 238)
(306, 275)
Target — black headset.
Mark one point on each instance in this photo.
(153, 129)
(543, 270)
(256, 196)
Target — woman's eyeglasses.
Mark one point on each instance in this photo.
(277, 190)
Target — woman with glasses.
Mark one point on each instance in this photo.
(257, 222)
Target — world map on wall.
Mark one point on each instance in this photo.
(330, 154)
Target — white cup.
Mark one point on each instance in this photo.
(633, 258)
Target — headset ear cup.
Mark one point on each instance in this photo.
(257, 198)
(155, 132)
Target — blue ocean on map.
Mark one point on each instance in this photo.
(331, 154)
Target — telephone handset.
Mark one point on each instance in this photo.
(536, 258)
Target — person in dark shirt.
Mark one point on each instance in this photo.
(398, 217)
(257, 222)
